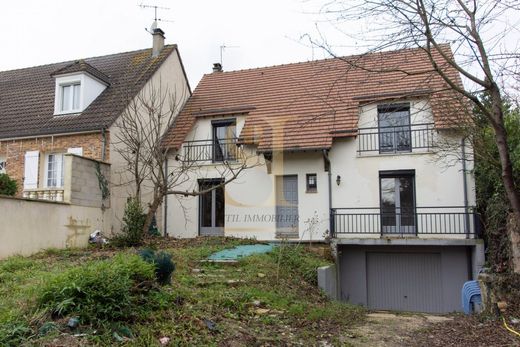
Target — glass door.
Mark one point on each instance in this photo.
(211, 209)
(397, 204)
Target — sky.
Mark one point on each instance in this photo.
(263, 33)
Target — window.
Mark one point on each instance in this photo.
(394, 128)
(397, 189)
(70, 96)
(312, 183)
(3, 164)
(54, 170)
(224, 145)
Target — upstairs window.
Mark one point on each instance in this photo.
(312, 183)
(224, 145)
(394, 128)
(70, 97)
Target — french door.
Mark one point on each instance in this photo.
(397, 203)
(211, 209)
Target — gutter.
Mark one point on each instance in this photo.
(328, 166)
(465, 186)
(103, 144)
(165, 218)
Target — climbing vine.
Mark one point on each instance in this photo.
(103, 182)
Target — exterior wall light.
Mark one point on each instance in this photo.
(338, 180)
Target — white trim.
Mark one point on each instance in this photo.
(59, 170)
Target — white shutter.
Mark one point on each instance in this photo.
(31, 170)
(75, 150)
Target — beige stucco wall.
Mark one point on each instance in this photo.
(439, 182)
(168, 78)
(29, 226)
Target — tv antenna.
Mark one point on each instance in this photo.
(155, 20)
(222, 49)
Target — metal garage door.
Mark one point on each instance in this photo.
(404, 281)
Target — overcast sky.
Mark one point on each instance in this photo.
(267, 32)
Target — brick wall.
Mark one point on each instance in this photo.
(14, 151)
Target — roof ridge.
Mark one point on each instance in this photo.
(72, 61)
(396, 51)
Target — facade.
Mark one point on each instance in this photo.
(72, 107)
(364, 151)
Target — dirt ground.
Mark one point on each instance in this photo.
(390, 330)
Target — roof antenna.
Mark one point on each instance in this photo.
(222, 48)
(155, 20)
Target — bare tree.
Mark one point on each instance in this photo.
(484, 38)
(139, 141)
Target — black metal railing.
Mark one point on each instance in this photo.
(396, 139)
(210, 150)
(421, 221)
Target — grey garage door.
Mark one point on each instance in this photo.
(404, 281)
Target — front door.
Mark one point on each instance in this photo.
(211, 209)
(287, 206)
(397, 204)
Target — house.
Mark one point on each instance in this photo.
(356, 150)
(51, 114)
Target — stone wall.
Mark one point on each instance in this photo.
(83, 186)
(14, 151)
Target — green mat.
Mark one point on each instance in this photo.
(240, 252)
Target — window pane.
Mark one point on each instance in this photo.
(394, 130)
(76, 93)
(219, 207)
(66, 92)
(51, 171)
(388, 201)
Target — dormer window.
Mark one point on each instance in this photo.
(70, 97)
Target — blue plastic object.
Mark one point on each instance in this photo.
(240, 252)
(470, 294)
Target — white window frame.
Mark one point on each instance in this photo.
(61, 100)
(3, 165)
(60, 179)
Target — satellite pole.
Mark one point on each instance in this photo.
(222, 48)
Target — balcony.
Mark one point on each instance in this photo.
(396, 139)
(423, 221)
(210, 150)
(49, 194)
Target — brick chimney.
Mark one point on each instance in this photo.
(158, 41)
(217, 67)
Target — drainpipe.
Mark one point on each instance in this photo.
(327, 164)
(465, 186)
(166, 198)
(103, 144)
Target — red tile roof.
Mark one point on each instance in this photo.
(306, 105)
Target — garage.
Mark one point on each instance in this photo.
(417, 279)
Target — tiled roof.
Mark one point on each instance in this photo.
(27, 95)
(306, 105)
(82, 66)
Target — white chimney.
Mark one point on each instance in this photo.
(158, 41)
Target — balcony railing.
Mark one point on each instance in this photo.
(421, 221)
(210, 150)
(50, 194)
(396, 139)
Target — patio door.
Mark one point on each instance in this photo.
(287, 206)
(397, 202)
(211, 209)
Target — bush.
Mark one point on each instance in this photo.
(133, 224)
(163, 263)
(298, 259)
(109, 290)
(8, 186)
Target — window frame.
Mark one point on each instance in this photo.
(60, 179)
(220, 123)
(72, 98)
(394, 108)
(309, 188)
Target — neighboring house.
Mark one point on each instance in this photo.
(72, 107)
(355, 149)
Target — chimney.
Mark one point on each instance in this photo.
(217, 67)
(158, 41)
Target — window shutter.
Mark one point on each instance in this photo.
(76, 150)
(31, 170)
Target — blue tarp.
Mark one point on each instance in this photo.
(240, 252)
